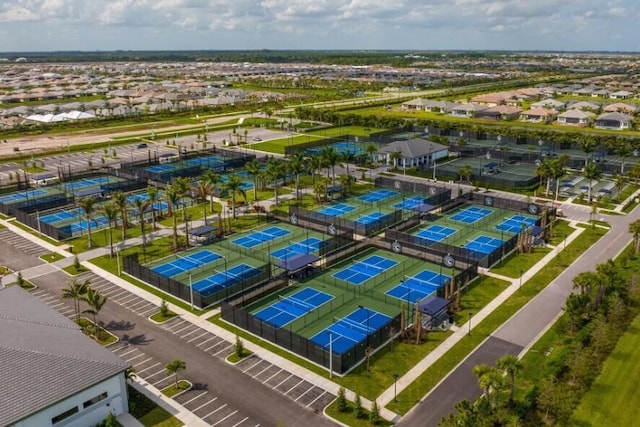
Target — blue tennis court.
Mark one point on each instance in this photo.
(61, 216)
(337, 210)
(415, 288)
(186, 263)
(289, 308)
(158, 205)
(259, 237)
(348, 331)
(167, 167)
(471, 214)
(306, 246)
(436, 233)
(205, 161)
(80, 226)
(361, 271)
(245, 185)
(371, 218)
(340, 147)
(483, 244)
(377, 195)
(516, 224)
(221, 280)
(13, 197)
(410, 204)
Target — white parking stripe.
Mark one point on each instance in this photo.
(309, 389)
(199, 336)
(130, 351)
(314, 400)
(150, 367)
(258, 360)
(205, 404)
(273, 388)
(238, 423)
(233, 413)
(191, 400)
(211, 413)
(207, 340)
(226, 348)
(301, 381)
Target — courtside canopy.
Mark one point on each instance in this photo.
(297, 262)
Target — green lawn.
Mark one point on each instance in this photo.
(158, 317)
(148, 413)
(349, 418)
(615, 396)
(173, 390)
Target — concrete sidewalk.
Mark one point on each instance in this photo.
(403, 382)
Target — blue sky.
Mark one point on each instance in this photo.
(44, 25)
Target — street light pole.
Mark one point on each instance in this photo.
(470, 314)
(330, 354)
(520, 279)
(118, 259)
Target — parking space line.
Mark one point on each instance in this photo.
(130, 351)
(270, 365)
(238, 423)
(146, 313)
(314, 400)
(199, 336)
(195, 330)
(191, 400)
(213, 346)
(301, 381)
(142, 301)
(211, 413)
(308, 390)
(226, 348)
(125, 299)
(205, 404)
(233, 413)
(258, 360)
(177, 331)
(153, 375)
(140, 363)
(178, 323)
(207, 340)
(145, 369)
(273, 388)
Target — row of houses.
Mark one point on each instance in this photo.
(615, 117)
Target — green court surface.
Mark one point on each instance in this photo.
(348, 297)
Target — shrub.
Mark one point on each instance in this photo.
(164, 309)
(239, 347)
(341, 400)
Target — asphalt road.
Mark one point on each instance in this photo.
(519, 331)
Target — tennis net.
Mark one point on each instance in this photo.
(296, 302)
(366, 266)
(353, 325)
(192, 262)
(427, 284)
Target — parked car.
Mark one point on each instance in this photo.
(141, 145)
(257, 139)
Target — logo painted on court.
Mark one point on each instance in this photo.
(332, 229)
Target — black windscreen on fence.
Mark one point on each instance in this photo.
(335, 225)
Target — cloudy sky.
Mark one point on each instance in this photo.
(44, 25)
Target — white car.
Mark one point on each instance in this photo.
(256, 139)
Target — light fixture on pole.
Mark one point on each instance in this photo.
(118, 259)
(191, 290)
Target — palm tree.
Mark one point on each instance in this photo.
(152, 193)
(347, 157)
(142, 206)
(557, 171)
(624, 150)
(346, 181)
(511, 366)
(394, 157)
(204, 190)
(275, 171)
(592, 172)
(121, 203)
(588, 146)
(371, 150)
(254, 167)
(314, 163)
(182, 186)
(585, 281)
(76, 291)
(234, 186)
(173, 198)
(174, 367)
(465, 172)
(320, 187)
(331, 159)
(88, 206)
(296, 166)
(110, 211)
(543, 170)
(634, 229)
(95, 300)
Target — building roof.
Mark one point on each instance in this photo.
(615, 116)
(412, 148)
(576, 114)
(45, 356)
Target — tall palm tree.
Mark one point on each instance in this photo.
(142, 206)
(511, 366)
(543, 170)
(110, 211)
(624, 150)
(174, 367)
(585, 281)
(204, 190)
(234, 186)
(331, 159)
(182, 186)
(276, 169)
(347, 157)
(371, 149)
(592, 172)
(152, 193)
(394, 157)
(254, 167)
(173, 198)
(213, 179)
(557, 171)
(121, 203)
(95, 300)
(75, 290)
(320, 187)
(346, 182)
(296, 166)
(88, 206)
(314, 163)
(588, 146)
(465, 172)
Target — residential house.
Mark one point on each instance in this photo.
(52, 373)
(575, 118)
(621, 107)
(490, 99)
(616, 120)
(621, 94)
(440, 106)
(549, 103)
(600, 93)
(467, 110)
(417, 104)
(584, 105)
(417, 152)
(501, 112)
(538, 115)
